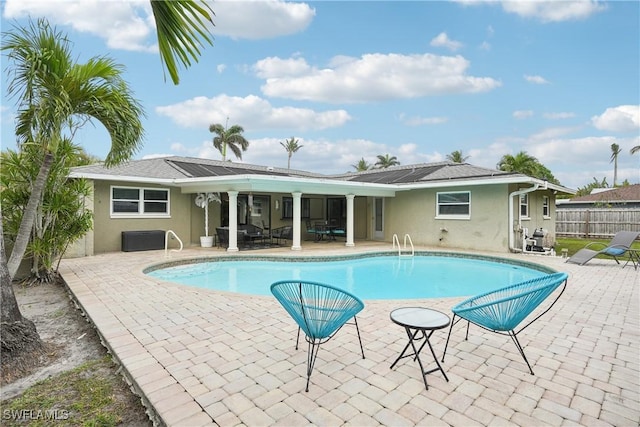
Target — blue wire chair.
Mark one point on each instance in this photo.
(502, 310)
(320, 310)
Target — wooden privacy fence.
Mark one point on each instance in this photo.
(596, 223)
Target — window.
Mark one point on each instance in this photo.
(524, 206)
(546, 209)
(132, 202)
(453, 205)
(287, 207)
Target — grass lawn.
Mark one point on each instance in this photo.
(574, 245)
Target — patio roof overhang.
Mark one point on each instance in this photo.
(468, 182)
(316, 185)
(284, 184)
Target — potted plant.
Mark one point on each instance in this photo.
(202, 201)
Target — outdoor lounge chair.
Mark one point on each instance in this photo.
(502, 310)
(320, 310)
(620, 244)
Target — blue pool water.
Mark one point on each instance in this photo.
(379, 277)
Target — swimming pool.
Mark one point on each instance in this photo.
(368, 277)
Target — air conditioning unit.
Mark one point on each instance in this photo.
(142, 240)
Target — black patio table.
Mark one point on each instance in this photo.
(420, 323)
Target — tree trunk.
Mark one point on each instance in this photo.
(17, 334)
(29, 215)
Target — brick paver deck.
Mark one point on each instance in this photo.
(198, 357)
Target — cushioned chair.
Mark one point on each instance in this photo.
(618, 246)
(320, 310)
(503, 310)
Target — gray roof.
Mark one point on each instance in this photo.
(176, 167)
(443, 171)
(182, 169)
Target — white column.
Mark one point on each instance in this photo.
(297, 218)
(233, 221)
(349, 242)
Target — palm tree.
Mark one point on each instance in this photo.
(362, 165)
(385, 161)
(291, 145)
(525, 164)
(457, 157)
(231, 137)
(635, 149)
(179, 23)
(615, 151)
(52, 90)
(521, 162)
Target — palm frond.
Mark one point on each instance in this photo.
(181, 25)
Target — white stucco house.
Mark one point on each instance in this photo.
(448, 205)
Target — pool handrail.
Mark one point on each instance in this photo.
(396, 240)
(166, 242)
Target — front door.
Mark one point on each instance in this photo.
(378, 218)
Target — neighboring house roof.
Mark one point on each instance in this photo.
(197, 175)
(629, 194)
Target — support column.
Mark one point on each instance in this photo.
(297, 218)
(233, 221)
(350, 242)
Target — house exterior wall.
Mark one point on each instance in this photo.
(84, 246)
(536, 219)
(414, 213)
(361, 210)
(410, 212)
(108, 231)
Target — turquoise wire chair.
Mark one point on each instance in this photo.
(320, 310)
(502, 310)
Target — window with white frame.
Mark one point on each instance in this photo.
(546, 208)
(133, 201)
(524, 206)
(453, 205)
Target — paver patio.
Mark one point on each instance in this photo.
(199, 357)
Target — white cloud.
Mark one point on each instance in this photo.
(372, 77)
(553, 10)
(220, 68)
(558, 116)
(546, 10)
(317, 155)
(277, 67)
(123, 25)
(536, 80)
(551, 133)
(419, 121)
(129, 25)
(260, 19)
(522, 114)
(624, 118)
(443, 40)
(253, 112)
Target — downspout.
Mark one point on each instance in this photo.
(512, 230)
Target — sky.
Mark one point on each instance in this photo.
(352, 80)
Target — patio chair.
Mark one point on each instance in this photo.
(320, 310)
(282, 233)
(223, 237)
(618, 246)
(502, 310)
